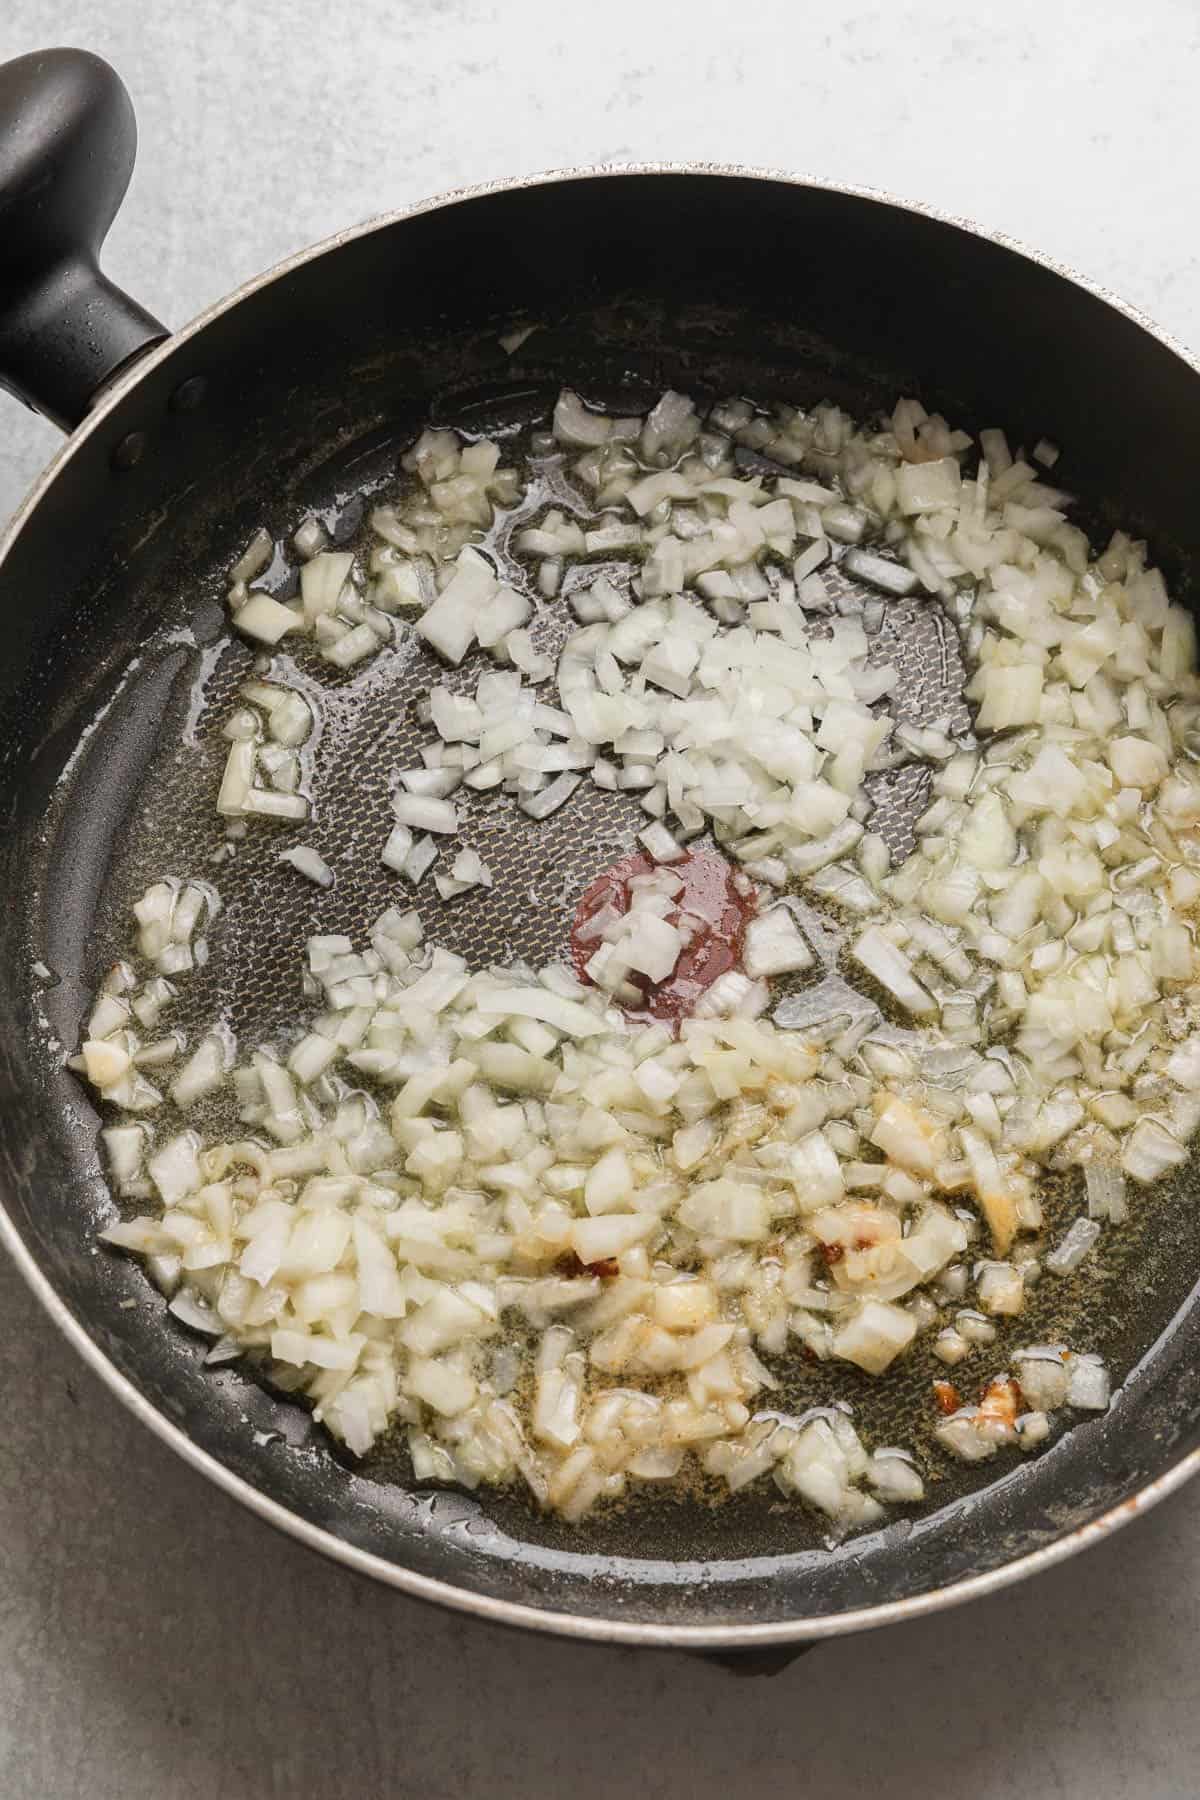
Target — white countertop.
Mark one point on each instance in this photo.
(157, 1642)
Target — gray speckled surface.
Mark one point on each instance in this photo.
(154, 1641)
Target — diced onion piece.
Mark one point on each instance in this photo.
(290, 721)
(575, 424)
(175, 1169)
(887, 964)
(548, 799)
(309, 538)
(322, 579)
(351, 647)
(893, 1478)
(203, 1072)
(254, 557)
(309, 862)
(880, 572)
(190, 1310)
(568, 1016)
(1080, 1238)
(1106, 1192)
(925, 487)
(237, 780)
(961, 1437)
(470, 868)
(595, 1240)
(660, 844)
(265, 619)
(1089, 1387)
(1150, 1150)
(105, 1062)
(650, 945)
(874, 1335)
(276, 806)
(425, 813)
(1001, 1288)
(397, 849)
(125, 1147)
(450, 624)
(906, 1134)
(419, 860)
(775, 945)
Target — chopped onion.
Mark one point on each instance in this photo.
(203, 1072)
(322, 580)
(254, 557)
(470, 869)
(549, 799)
(1150, 1150)
(425, 813)
(537, 1003)
(304, 858)
(774, 945)
(189, 1309)
(397, 849)
(1089, 1387)
(1080, 1238)
(887, 964)
(1106, 1192)
(880, 572)
(660, 844)
(419, 860)
(265, 619)
(661, 1212)
(874, 1336)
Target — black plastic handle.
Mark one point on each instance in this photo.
(67, 143)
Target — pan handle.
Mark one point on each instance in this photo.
(67, 142)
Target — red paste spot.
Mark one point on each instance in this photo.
(946, 1397)
(708, 894)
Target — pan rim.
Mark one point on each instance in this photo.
(460, 1599)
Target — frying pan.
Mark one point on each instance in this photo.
(292, 397)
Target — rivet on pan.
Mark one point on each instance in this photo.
(188, 394)
(129, 451)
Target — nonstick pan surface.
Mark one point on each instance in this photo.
(297, 396)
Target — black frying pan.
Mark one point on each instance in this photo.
(286, 399)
